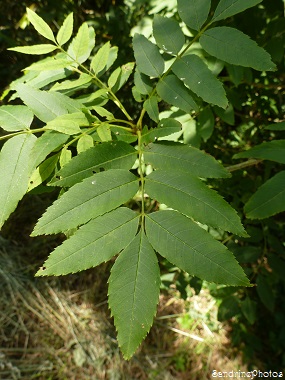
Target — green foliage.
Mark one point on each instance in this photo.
(117, 172)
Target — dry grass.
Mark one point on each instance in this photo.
(61, 329)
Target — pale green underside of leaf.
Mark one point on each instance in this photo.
(35, 49)
(125, 72)
(192, 249)
(14, 169)
(164, 128)
(82, 44)
(228, 8)
(46, 77)
(148, 59)
(177, 156)
(272, 150)
(233, 46)
(44, 104)
(43, 172)
(268, 200)
(198, 77)
(108, 155)
(92, 197)
(40, 25)
(65, 124)
(100, 59)
(194, 12)
(50, 64)
(84, 143)
(15, 118)
(73, 84)
(168, 34)
(94, 243)
(192, 197)
(173, 91)
(44, 145)
(134, 292)
(65, 31)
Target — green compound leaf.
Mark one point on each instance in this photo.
(15, 171)
(148, 59)
(45, 105)
(192, 197)
(198, 77)
(92, 197)
(268, 200)
(228, 8)
(35, 49)
(134, 292)
(168, 34)
(40, 25)
(94, 243)
(172, 91)
(65, 31)
(15, 118)
(233, 46)
(272, 150)
(182, 242)
(194, 12)
(185, 158)
(151, 107)
(108, 155)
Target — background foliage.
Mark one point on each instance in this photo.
(256, 314)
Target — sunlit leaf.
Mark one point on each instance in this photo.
(95, 242)
(15, 118)
(35, 49)
(65, 31)
(85, 142)
(133, 293)
(43, 172)
(191, 196)
(40, 25)
(189, 247)
(44, 104)
(108, 155)
(100, 59)
(88, 199)
(15, 171)
(82, 44)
